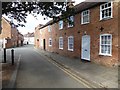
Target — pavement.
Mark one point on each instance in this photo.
(12, 80)
(98, 75)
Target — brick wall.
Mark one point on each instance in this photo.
(6, 29)
(92, 29)
(10, 34)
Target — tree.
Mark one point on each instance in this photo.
(18, 10)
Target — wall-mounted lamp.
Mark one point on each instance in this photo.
(84, 33)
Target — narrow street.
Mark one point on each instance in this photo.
(35, 71)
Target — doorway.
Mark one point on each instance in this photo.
(85, 53)
(44, 44)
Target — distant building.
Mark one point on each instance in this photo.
(37, 36)
(29, 38)
(10, 36)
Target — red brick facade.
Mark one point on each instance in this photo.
(94, 29)
(10, 36)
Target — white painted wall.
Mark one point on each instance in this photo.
(2, 41)
(30, 40)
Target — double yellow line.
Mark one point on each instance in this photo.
(70, 73)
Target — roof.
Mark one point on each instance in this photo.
(6, 20)
(85, 5)
(29, 34)
(78, 8)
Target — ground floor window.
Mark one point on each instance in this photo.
(71, 43)
(106, 44)
(60, 42)
(50, 41)
(41, 43)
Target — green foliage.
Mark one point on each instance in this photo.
(19, 10)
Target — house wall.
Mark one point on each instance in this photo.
(9, 36)
(92, 29)
(5, 33)
(6, 29)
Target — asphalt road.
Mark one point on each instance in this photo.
(35, 71)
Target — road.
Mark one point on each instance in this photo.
(35, 71)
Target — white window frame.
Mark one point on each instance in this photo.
(107, 17)
(61, 24)
(49, 28)
(41, 43)
(60, 47)
(70, 43)
(71, 18)
(50, 41)
(82, 16)
(110, 45)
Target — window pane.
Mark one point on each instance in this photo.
(85, 16)
(109, 49)
(106, 5)
(106, 44)
(102, 6)
(70, 42)
(109, 4)
(106, 10)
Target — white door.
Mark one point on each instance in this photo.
(85, 53)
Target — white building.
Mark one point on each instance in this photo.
(29, 38)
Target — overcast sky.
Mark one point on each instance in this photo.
(32, 22)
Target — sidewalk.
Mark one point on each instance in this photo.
(9, 71)
(95, 74)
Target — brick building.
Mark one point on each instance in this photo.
(93, 35)
(10, 36)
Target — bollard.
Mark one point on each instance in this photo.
(12, 56)
(4, 55)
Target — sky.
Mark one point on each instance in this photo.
(33, 22)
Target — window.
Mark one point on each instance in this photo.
(71, 21)
(85, 17)
(60, 42)
(61, 24)
(105, 44)
(70, 43)
(49, 28)
(106, 11)
(50, 41)
(41, 43)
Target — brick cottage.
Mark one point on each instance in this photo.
(93, 35)
(10, 36)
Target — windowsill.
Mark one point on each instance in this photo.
(70, 26)
(85, 23)
(61, 48)
(60, 28)
(101, 54)
(70, 50)
(104, 19)
(50, 45)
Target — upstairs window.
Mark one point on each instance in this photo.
(106, 44)
(70, 43)
(49, 28)
(106, 11)
(85, 17)
(61, 24)
(50, 41)
(71, 21)
(60, 42)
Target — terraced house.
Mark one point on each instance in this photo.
(93, 35)
(10, 36)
